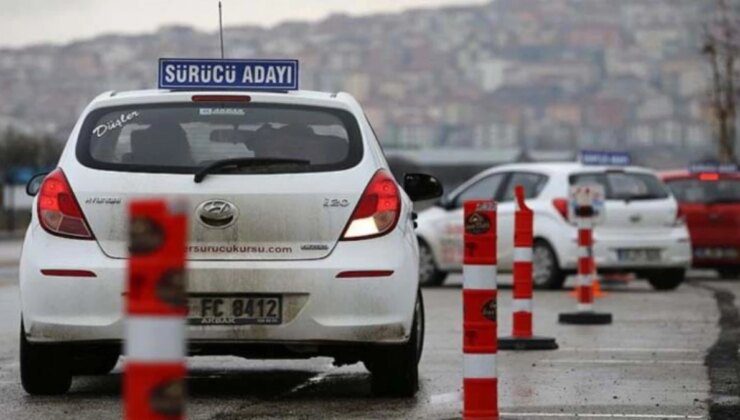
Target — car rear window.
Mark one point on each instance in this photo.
(709, 192)
(621, 185)
(181, 138)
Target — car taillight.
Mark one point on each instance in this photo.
(561, 205)
(377, 211)
(58, 210)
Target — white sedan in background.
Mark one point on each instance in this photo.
(642, 232)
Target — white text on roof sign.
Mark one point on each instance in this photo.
(228, 74)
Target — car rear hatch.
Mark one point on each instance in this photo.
(636, 202)
(711, 205)
(289, 195)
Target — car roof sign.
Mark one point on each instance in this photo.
(227, 74)
(716, 167)
(596, 157)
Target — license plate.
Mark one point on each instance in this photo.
(235, 310)
(716, 253)
(638, 255)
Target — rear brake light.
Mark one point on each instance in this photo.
(561, 205)
(221, 98)
(377, 211)
(58, 210)
(709, 177)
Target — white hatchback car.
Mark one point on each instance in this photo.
(642, 231)
(292, 206)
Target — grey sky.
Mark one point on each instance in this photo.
(24, 22)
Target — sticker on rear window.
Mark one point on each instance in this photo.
(114, 124)
(221, 111)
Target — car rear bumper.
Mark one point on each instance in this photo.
(317, 306)
(673, 246)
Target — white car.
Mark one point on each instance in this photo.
(642, 232)
(291, 207)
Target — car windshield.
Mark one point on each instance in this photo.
(181, 138)
(698, 191)
(619, 185)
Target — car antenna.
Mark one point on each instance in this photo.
(221, 29)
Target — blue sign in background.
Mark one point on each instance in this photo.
(594, 157)
(228, 74)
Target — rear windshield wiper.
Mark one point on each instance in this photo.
(638, 197)
(244, 162)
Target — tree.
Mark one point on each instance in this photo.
(17, 149)
(722, 50)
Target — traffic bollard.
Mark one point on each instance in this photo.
(156, 307)
(585, 314)
(480, 383)
(522, 337)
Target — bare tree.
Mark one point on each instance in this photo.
(722, 49)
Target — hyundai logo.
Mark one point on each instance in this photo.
(217, 213)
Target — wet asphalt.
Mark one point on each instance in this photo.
(649, 364)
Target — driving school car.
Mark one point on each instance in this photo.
(641, 231)
(301, 243)
(709, 198)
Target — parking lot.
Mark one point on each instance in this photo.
(649, 364)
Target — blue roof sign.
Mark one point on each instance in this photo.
(594, 157)
(712, 167)
(228, 74)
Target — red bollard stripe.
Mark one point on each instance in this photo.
(585, 237)
(154, 391)
(481, 398)
(479, 325)
(585, 294)
(522, 280)
(585, 265)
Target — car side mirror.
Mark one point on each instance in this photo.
(34, 184)
(422, 187)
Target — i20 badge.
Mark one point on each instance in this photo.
(217, 214)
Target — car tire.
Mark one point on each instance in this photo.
(395, 369)
(44, 369)
(729, 273)
(546, 272)
(668, 279)
(429, 274)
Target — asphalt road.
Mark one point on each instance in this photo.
(649, 364)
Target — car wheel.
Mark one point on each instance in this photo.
(729, 273)
(668, 279)
(429, 274)
(44, 369)
(546, 273)
(395, 369)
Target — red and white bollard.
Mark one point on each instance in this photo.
(480, 383)
(522, 337)
(584, 278)
(156, 308)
